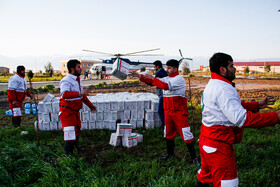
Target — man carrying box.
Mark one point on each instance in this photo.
(72, 97)
(17, 90)
(175, 107)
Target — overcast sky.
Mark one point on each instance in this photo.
(246, 29)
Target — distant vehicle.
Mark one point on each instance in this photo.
(98, 67)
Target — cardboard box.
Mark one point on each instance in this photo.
(127, 141)
(85, 116)
(114, 105)
(92, 116)
(84, 125)
(99, 124)
(115, 140)
(91, 125)
(49, 98)
(107, 115)
(139, 137)
(53, 125)
(126, 114)
(139, 123)
(99, 115)
(55, 106)
(54, 117)
(133, 115)
(114, 115)
(105, 124)
(112, 125)
(149, 114)
(149, 124)
(120, 69)
(121, 106)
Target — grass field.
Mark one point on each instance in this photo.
(23, 163)
(34, 79)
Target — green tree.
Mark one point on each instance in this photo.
(49, 69)
(267, 68)
(30, 75)
(186, 68)
(246, 69)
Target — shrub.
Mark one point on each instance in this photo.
(49, 87)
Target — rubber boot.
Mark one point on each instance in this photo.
(200, 184)
(170, 144)
(69, 146)
(192, 153)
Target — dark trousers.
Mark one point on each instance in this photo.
(161, 112)
(16, 121)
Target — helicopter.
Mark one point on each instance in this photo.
(134, 65)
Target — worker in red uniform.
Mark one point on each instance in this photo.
(17, 90)
(72, 97)
(224, 117)
(175, 107)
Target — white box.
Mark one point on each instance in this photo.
(120, 69)
(139, 137)
(41, 107)
(157, 123)
(115, 140)
(156, 116)
(40, 116)
(127, 141)
(139, 123)
(133, 115)
(134, 140)
(84, 125)
(133, 105)
(49, 98)
(100, 106)
(85, 107)
(126, 114)
(147, 104)
(48, 107)
(121, 106)
(92, 116)
(99, 115)
(53, 125)
(41, 125)
(114, 115)
(55, 106)
(120, 115)
(85, 116)
(54, 117)
(99, 124)
(105, 124)
(133, 123)
(140, 114)
(107, 106)
(114, 105)
(149, 114)
(140, 105)
(154, 105)
(46, 117)
(112, 125)
(127, 105)
(124, 129)
(149, 124)
(46, 126)
(91, 125)
(59, 125)
(107, 115)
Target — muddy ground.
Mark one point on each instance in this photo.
(249, 89)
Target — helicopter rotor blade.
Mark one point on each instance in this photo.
(97, 52)
(181, 53)
(141, 51)
(147, 55)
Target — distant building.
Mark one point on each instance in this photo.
(4, 70)
(254, 67)
(257, 67)
(85, 64)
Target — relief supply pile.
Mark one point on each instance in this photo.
(124, 136)
(137, 109)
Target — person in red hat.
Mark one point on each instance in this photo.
(175, 107)
(224, 116)
(17, 90)
(72, 97)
